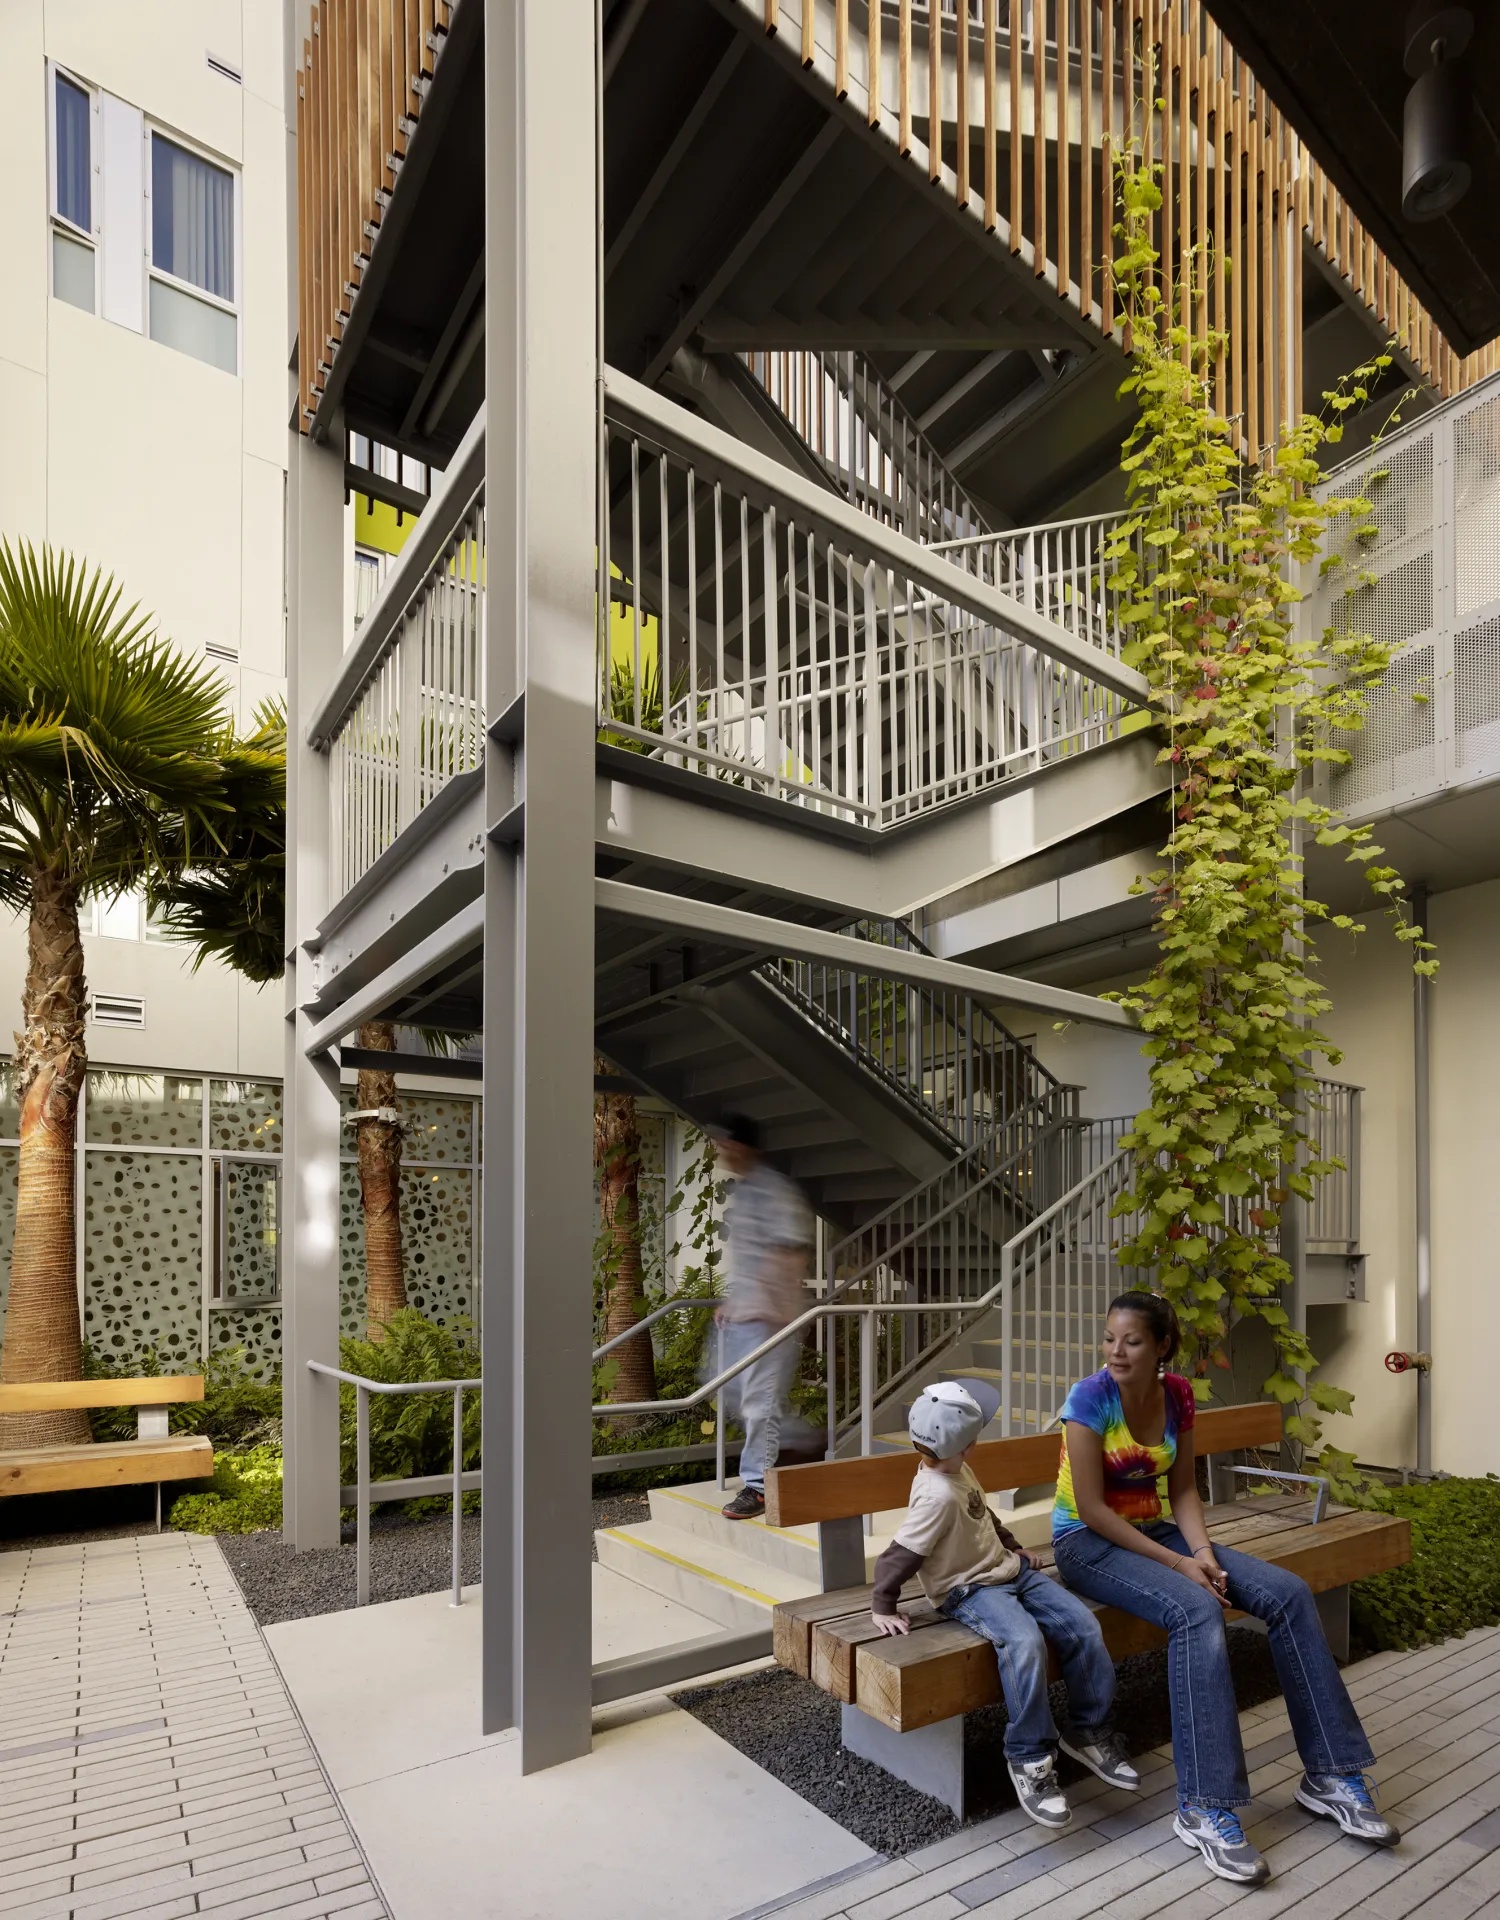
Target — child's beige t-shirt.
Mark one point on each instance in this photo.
(950, 1524)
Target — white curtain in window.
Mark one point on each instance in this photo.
(74, 179)
(192, 218)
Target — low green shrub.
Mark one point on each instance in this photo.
(244, 1495)
(1452, 1582)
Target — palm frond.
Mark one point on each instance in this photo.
(231, 905)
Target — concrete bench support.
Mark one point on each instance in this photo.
(1333, 1611)
(931, 1759)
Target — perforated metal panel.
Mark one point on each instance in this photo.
(143, 1254)
(1476, 695)
(1396, 749)
(1425, 582)
(1476, 507)
(1383, 586)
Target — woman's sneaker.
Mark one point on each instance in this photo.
(1217, 1834)
(1346, 1797)
(1041, 1798)
(1106, 1755)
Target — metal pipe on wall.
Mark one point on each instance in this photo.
(1422, 1156)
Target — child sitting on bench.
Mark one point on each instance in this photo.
(975, 1572)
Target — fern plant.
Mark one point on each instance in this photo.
(411, 1434)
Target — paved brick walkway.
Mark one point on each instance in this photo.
(151, 1763)
(1434, 1720)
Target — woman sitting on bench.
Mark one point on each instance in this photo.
(1124, 1427)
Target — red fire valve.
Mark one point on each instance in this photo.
(1406, 1362)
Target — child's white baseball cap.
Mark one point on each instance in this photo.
(951, 1414)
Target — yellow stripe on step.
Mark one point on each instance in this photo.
(707, 1506)
(688, 1566)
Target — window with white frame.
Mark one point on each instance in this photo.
(74, 246)
(192, 275)
(144, 228)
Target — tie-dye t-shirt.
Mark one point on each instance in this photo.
(1131, 1471)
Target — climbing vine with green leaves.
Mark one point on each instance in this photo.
(1204, 566)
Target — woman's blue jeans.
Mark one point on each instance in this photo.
(1206, 1742)
(1015, 1618)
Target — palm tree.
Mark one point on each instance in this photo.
(111, 769)
(617, 1158)
(378, 1137)
(235, 911)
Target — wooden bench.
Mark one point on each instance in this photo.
(154, 1455)
(904, 1698)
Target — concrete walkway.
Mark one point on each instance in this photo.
(152, 1764)
(1433, 1718)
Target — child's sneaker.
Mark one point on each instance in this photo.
(1041, 1798)
(1217, 1834)
(1105, 1754)
(1346, 1797)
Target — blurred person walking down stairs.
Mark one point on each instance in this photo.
(769, 1234)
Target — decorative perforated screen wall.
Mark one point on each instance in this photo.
(1421, 573)
(179, 1213)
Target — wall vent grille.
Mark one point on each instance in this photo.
(117, 1010)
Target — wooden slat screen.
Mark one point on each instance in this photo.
(366, 67)
(1237, 181)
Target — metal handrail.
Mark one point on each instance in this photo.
(434, 1483)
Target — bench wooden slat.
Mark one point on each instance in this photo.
(792, 1621)
(881, 1482)
(56, 1396)
(834, 1643)
(108, 1463)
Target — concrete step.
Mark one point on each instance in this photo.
(695, 1512)
(732, 1588)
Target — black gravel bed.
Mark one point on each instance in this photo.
(407, 1557)
(71, 1519)
(791, 1728)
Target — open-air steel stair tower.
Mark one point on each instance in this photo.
(716, 665)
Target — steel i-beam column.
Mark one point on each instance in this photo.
(540, 385)
(310, 1120)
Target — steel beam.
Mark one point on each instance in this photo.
(711, 830)
(452, 941)
(310, 1270)
(541, 371)
(754, 931)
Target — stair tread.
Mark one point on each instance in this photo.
(755, 1579)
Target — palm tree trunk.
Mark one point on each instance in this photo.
(43, 1337)
(617, 1155)
(379, 1145)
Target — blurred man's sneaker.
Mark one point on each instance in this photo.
(748, 1504)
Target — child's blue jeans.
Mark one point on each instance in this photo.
(1020, 1618)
